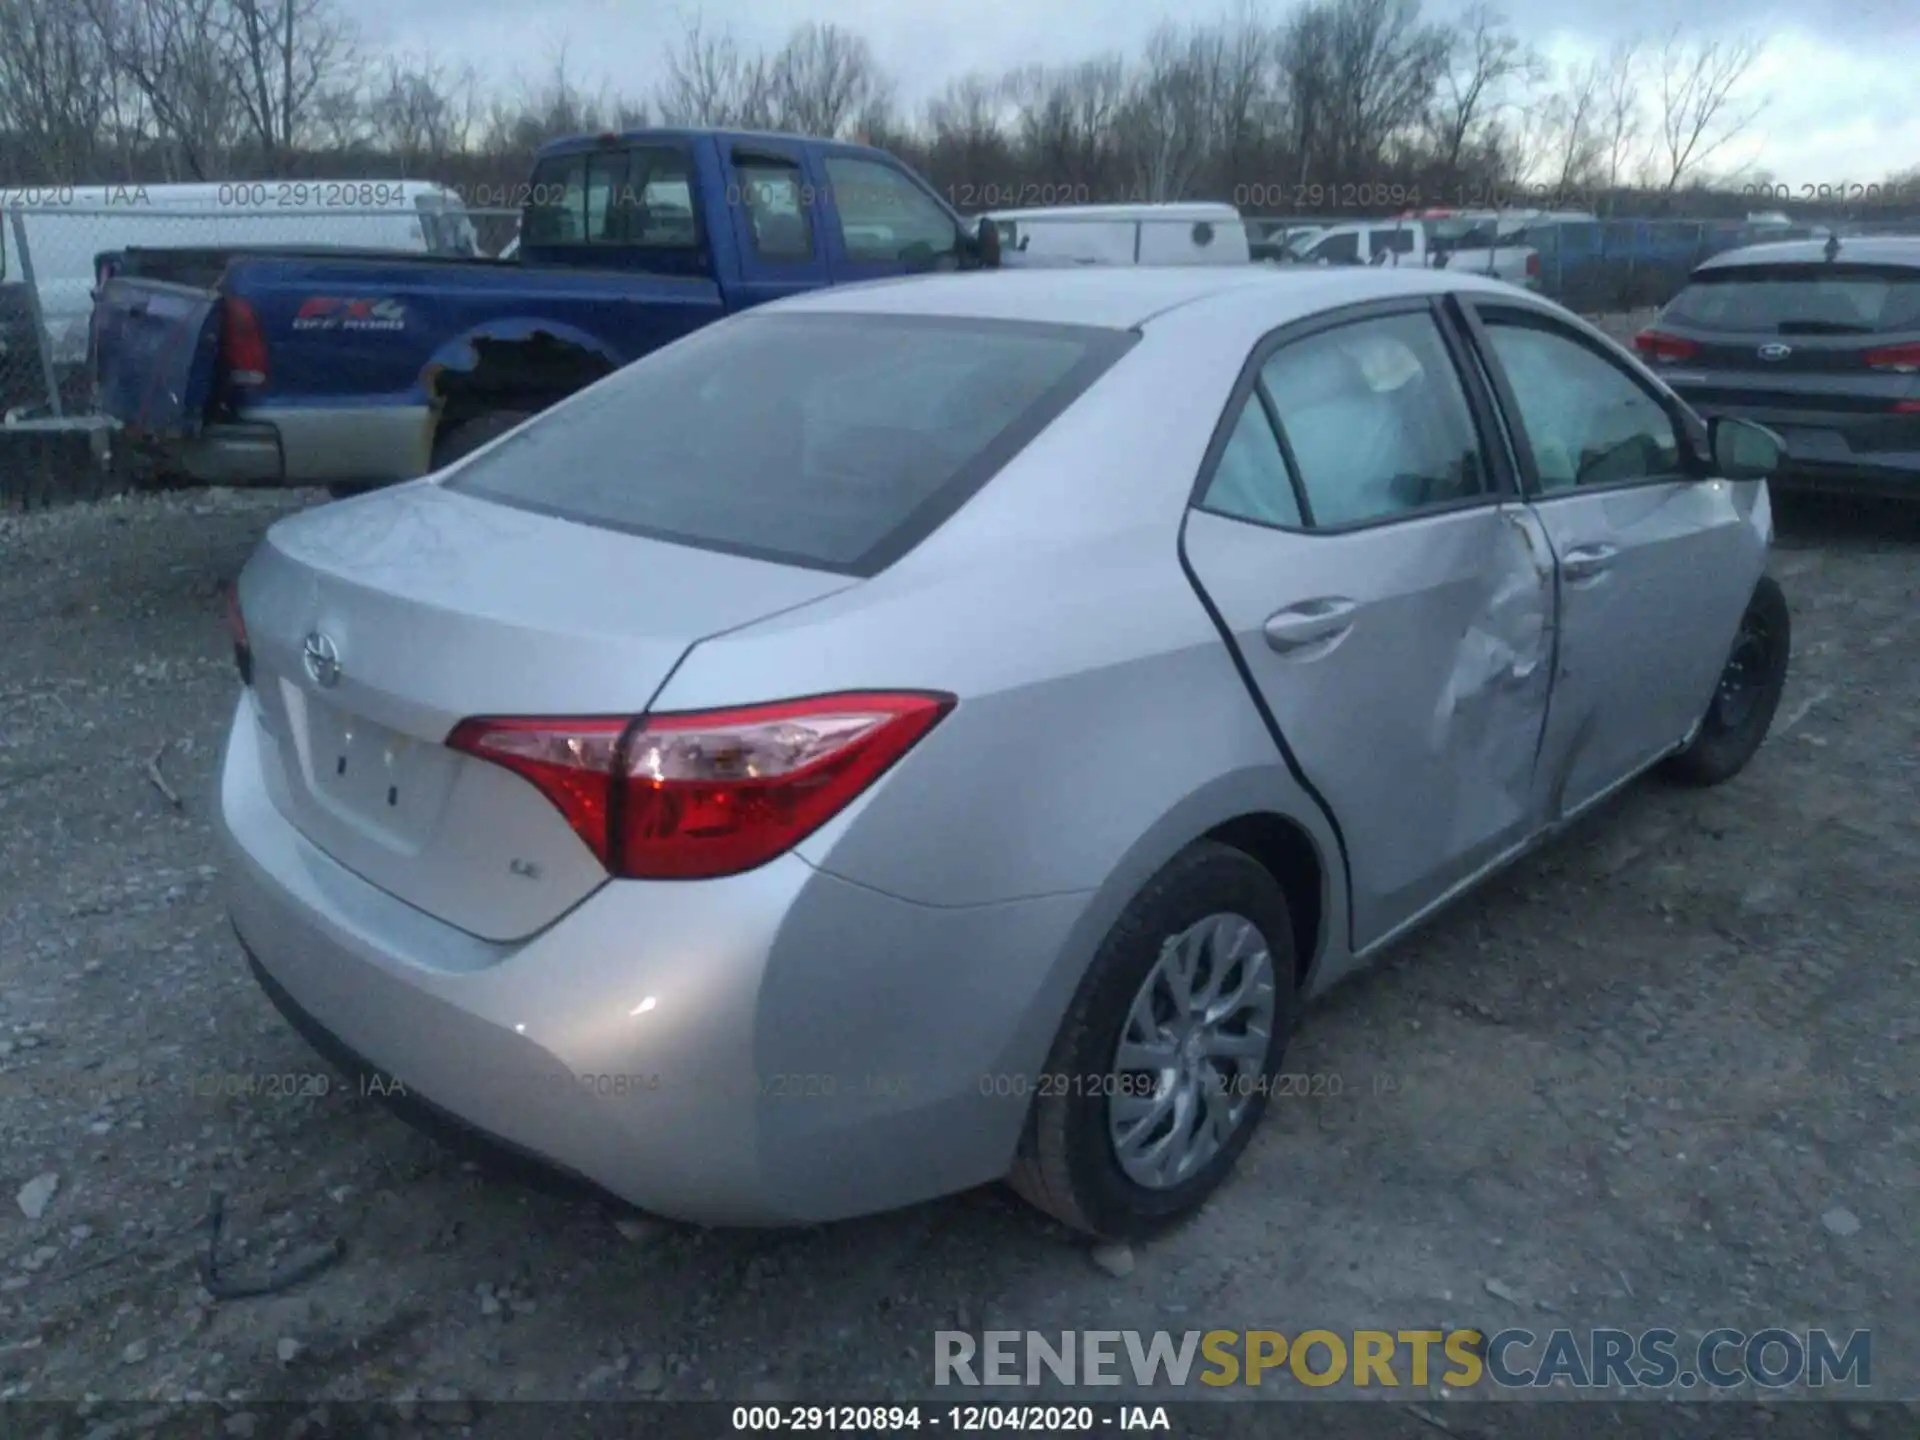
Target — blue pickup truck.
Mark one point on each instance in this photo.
(351, 369)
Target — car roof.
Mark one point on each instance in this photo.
(1125, 297)
(1858, 250)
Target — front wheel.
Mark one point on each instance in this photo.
(1166, 1058)
(1743, 705)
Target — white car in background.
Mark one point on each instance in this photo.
(1182, 233)
(1479, 242)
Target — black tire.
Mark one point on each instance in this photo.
(347, 489)
(1066, 1164)
(466, 436)
(1757, 674)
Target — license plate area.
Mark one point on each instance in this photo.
(378, 778)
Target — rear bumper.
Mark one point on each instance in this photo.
(779, 1047)
(310, 445)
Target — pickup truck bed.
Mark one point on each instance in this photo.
(355, 368)
(351, 388)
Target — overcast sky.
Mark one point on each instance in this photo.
(1838, 75)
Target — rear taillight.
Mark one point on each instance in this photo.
(1906, 407)
(242, 346)
(701, 795)
(237, 629)
(1533, 264)
(1900, 359)
(1664, 349)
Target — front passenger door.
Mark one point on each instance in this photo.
(1655, 563)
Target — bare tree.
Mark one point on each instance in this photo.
(1485, 61)
(1698, 113)
(1064, 121)
(824, 81)
(1621, 135)
(1165, 126)
(53, 84)
(712, 81)
(1572, 141)
(1385, 67)
(283, 52)
(1304, 60)
(173, 53)
(420, 111)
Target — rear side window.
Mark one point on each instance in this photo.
(1810, 299)
(836, 442)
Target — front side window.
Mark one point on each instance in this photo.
(885, 217)
(1587, 421)
(1377, 421)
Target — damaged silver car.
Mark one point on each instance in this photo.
(917, 734)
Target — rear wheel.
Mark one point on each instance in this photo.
(1166, 1058)
(464, 437)
(1748, 694)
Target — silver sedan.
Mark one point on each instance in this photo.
(924, 733)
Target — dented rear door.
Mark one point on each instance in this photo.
(1407, 666)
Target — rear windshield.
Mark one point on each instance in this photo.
(1808, 299)
(836, 442)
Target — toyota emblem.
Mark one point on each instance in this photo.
(323, 660)
(1775, 351)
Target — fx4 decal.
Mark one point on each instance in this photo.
(326, 312)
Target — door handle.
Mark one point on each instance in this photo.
(1309, 623)
(1584, 561)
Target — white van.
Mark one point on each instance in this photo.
(67, 226)
(1183, 233)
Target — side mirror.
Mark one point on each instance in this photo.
(1743, 450)
(986, 243)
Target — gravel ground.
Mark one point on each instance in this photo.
(1662, 1073)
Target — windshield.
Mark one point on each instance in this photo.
(1814, 298)
(837, 442)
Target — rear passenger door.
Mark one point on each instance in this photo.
(1389, 596)
(1655, 562)
(771, 202)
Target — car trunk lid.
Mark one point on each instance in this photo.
(374, 626)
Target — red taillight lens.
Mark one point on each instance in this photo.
(1900, 359)
(242, 346)
(702, 795)
(1665, 349)
(1533, 263)
(237, 629)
